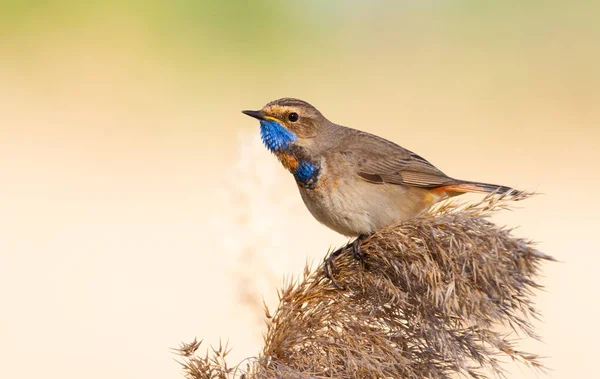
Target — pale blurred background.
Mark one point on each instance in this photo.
(139, 209)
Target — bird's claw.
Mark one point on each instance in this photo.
(329, 265)
(356, 250)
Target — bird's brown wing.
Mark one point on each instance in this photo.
(378, 160)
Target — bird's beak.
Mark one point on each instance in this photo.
(256, 114)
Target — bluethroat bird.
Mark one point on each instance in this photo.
(352, 181)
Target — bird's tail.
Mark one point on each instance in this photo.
(462, 186)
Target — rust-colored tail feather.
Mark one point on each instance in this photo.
(461, 187)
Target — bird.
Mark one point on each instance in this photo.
(352, 181)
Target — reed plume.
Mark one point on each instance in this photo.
(436, 296)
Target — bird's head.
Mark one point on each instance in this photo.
(287, 122)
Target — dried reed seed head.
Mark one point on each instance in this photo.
(428, 301)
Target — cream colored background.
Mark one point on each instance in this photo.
(139, 210)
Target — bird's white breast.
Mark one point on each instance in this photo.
(352, 206)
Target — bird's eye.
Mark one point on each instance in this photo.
(293, 117)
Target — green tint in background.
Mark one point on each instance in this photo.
(316, 42)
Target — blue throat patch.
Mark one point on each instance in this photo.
(278, 139)
(275, 136)
(306, 172)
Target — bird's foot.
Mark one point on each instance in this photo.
(356, 250)
(357, 253)
(328, 266)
